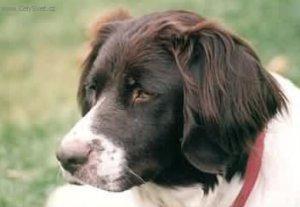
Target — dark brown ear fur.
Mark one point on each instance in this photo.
(228, 96)
(99, 32)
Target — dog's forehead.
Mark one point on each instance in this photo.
(134, 42)
(124, 54)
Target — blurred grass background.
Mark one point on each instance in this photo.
(39, 69)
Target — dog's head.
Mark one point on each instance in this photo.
(162, 97)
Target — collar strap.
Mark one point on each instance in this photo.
(252, 170)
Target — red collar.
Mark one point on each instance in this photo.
(252, 170)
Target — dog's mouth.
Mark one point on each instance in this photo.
(105, 183)
(87, 175)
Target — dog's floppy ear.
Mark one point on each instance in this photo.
(99, 32)
(228, 96)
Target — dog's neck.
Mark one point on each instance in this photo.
(213, 192)
(181, 174)
(222, 195)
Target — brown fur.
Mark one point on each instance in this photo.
(228, 97)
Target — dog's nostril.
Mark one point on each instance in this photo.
(73, 154)
(73, 164)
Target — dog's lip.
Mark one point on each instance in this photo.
(75, 182)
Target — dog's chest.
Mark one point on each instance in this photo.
(151, 195)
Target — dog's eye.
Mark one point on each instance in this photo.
(140, 96)
(91, 87)
(91, 92)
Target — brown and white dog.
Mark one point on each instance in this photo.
(172, 106)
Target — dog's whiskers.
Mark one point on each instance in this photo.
(134, 174)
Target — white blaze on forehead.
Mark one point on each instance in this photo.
(82, 130)
(112, 159)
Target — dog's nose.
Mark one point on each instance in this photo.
(73, 154)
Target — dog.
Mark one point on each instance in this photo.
(179, 112)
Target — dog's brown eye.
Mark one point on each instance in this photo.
(140, 96)
(91, 93)
(91, 87)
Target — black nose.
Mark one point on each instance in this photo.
(73, 154)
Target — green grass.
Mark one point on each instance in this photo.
(39, 69)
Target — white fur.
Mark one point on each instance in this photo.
(278, 183)
(87, 196)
